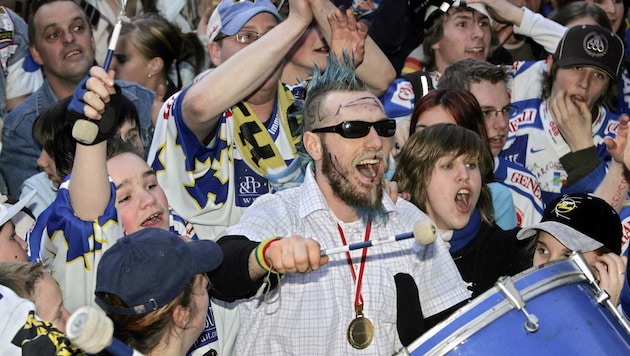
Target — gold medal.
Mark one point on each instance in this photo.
(360, 330)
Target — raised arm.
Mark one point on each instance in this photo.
(614, 187)
(89, 184)
(375, 70)
(544, 31)
(243, 73)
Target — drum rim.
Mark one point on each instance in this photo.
(484, 319)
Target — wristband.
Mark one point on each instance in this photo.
(260, 254)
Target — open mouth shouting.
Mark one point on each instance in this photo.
(462, 200)
(370, 169)
(154, 220)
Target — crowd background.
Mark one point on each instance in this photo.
(238, 138)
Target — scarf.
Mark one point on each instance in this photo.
(257, 144)
(463, 236)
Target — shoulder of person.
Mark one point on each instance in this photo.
(28, 107)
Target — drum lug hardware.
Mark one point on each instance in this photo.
(507, 287)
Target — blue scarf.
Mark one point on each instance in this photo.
(462, 237)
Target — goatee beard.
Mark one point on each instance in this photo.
(368, 201)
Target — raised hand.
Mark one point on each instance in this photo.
(611, 269)
(301, 9)
(93, 93)
(502, 11)
(617, 147)
(347, 34)
(573, 119)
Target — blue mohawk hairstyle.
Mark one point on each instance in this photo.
(339, 75)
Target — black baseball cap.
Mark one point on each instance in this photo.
(581, 222)
(591, 45)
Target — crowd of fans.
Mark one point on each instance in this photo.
(189, 191)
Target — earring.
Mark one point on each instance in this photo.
(150, 75)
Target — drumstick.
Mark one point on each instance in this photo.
(92, 331)
(86, 130)
(115, 33)
(424, 232)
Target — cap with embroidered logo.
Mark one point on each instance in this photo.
(580, 222)
(231, 15)
(593, 46)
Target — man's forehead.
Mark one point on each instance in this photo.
(464, 13)
(497, 90)
(63, 11)
(347, 104)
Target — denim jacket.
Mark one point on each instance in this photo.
(18, 159)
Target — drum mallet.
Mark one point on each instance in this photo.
(92, 331)
(424, 232)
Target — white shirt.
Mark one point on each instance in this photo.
(314, 310)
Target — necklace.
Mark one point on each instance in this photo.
(361, 330)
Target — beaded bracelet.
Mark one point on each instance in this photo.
(260, 254)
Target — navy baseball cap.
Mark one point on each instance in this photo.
(593, 46)
(581, 222)
(150, 268)
(231, 15)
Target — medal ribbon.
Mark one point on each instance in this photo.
(358, 299)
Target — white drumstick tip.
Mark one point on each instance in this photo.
(424, 232)
(90, 329)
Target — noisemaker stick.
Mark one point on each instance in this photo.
(92, 331)
(424, 232)
(115, 33)
(85, 130)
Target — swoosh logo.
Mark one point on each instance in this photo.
(531, 150)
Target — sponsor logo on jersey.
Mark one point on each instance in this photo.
(526, 181)
(554, 129)
(249, 185)
(209, 334)
(526, 117)
(559, 176)
(611, 127)
(404, 93)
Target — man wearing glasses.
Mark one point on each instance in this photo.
(234, 134)
(488, 83)
(342, 304)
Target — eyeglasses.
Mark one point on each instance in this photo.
(244, 36)
(506, 111)
(358, 129)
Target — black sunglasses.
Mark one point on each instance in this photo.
(358, 129)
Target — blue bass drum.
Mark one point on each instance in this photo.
(555, 309)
